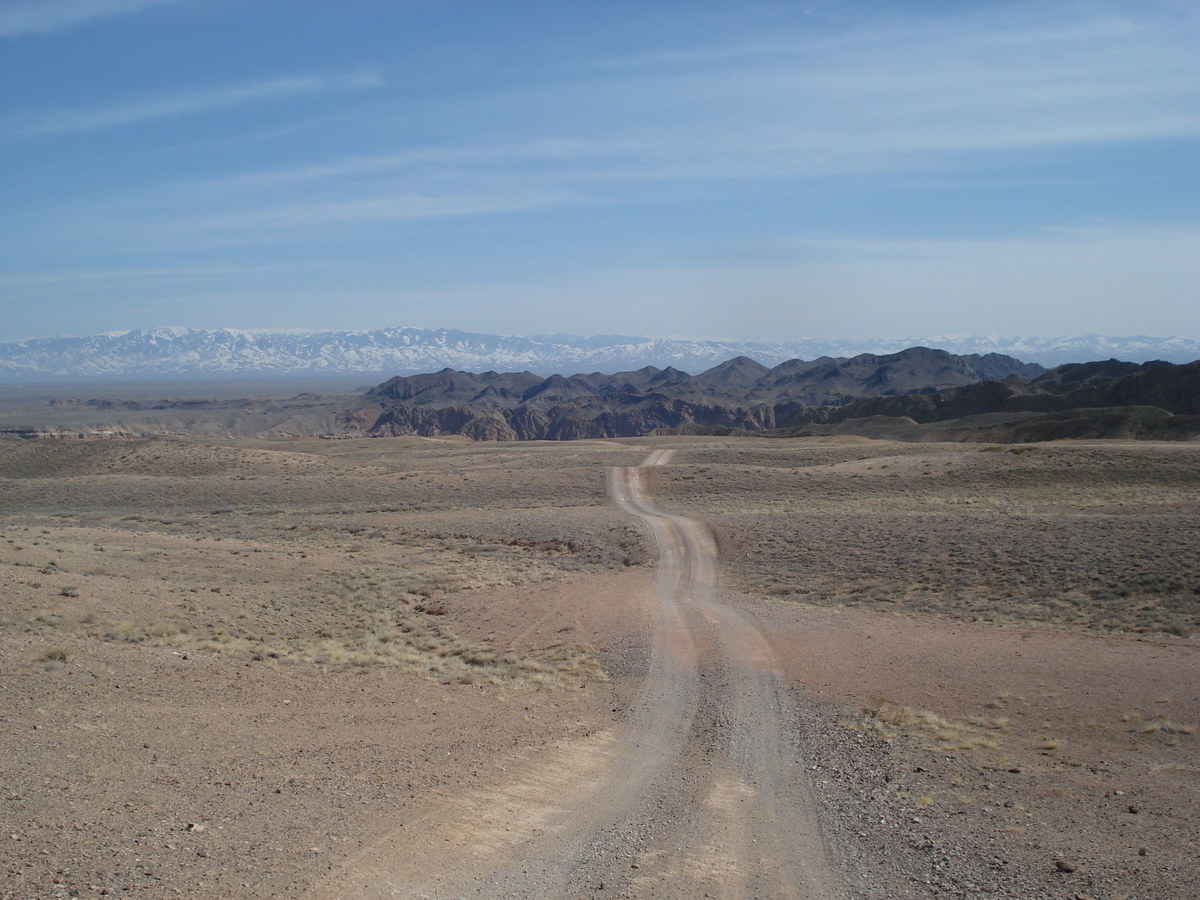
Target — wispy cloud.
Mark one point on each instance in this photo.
(915, 94)
(942, 96)
(457, 160)
(896, 91)
(70, 121)
(395, 207)
(46, 16)
(155, 274)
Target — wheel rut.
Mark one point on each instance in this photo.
(701, 792)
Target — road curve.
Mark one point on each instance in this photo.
(758, 827)
(701, 793)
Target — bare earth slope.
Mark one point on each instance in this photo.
(373, 669)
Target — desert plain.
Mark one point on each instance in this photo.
(426, 667)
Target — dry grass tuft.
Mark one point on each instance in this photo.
(64, 653)
(1010, 535)
(976, 733)
(357, 621)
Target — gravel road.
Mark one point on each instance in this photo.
(152, 748)
(701, 792)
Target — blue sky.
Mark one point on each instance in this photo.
(757, 170)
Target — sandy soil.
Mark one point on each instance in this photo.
(317, 669)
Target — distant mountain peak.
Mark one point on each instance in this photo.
(738, 394)
(179, 352)
(738, 364)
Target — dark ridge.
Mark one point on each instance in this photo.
(1154, 400)
(737, 395)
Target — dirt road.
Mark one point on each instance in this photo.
(222, 678)
(701, 792)
(752, 831)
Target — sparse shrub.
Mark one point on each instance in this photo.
(64, 654)
(432, 608)
(887, 720)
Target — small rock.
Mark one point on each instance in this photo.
(203, 854)
(1133, 809)
(1008, 804)
(1063, 866)
(1142, 851)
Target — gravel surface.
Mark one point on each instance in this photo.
(949, 733)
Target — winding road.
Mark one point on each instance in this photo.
(754, 832)
(702, 792)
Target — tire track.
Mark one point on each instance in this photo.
(700, 793)
(761, 819)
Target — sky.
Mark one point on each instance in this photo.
(740, 171)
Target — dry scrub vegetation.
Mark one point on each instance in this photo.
(1088, 535)
(231, 665)
(1011, 622)
(321, 554)
(228, 664)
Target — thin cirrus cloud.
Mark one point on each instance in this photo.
(545, 165)
(47, 16)
(986, 81)
(399, 207)
(943, 97)
(432, 157)
(73, 121)
(888, 97)
(271, 219)
(873, 101)
(131, 276)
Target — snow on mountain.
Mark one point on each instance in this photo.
(185, 352)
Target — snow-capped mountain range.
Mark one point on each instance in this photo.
(185, 352)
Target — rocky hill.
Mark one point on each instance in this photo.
(916, 394)
(1110, 399)
(737, 394)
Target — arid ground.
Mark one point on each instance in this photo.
(412, 667)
